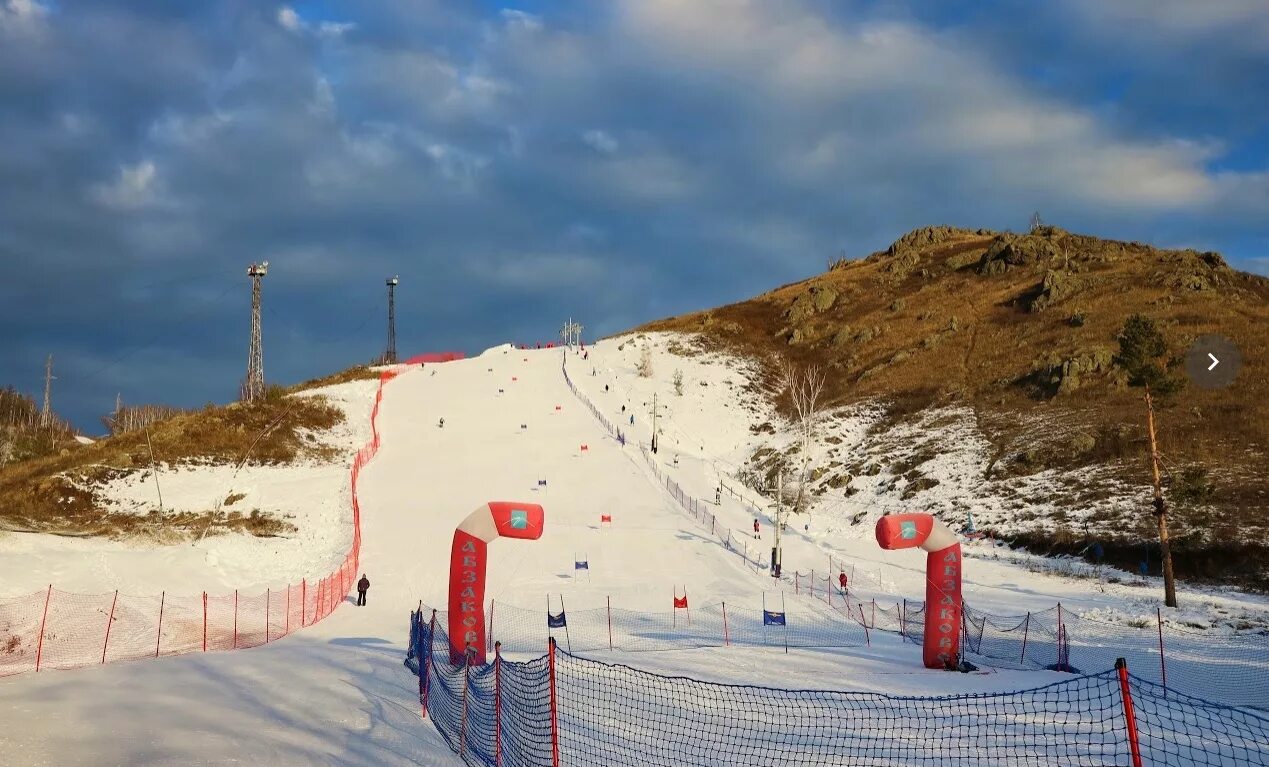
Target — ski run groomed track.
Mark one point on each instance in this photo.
(337, 694)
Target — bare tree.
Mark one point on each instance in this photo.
(805, 387)
(1036, 221)
(645, 362)
(678, 382)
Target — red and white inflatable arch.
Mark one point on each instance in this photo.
(468, 559)
(942, 580)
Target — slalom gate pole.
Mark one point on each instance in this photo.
(609, 623)
(726, 636)
(497, 648)
(784, 610)
(567, 638)
(796, 577)
(903, 624)
(235, 619)
(39, 645)
(874, 613)
(159, 634)
(1026, 627)
(1130, 717)
(204, 621)
(267, 599)
(109, 622)
(764, 617)
(425, 665)
(1163, 666)
(981, 629)
(555, 721)
(462, 727)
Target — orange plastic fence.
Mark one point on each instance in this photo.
(54, 629)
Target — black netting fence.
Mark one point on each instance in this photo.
(562, 709)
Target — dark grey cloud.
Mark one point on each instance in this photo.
(615, 163)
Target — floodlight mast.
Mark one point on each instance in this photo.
(390, 356)
(253, 386)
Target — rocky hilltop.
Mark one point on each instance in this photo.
(1018, 333)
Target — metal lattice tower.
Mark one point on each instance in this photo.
(571, 333)
(46, 415)
(390, 356)
(253, 385)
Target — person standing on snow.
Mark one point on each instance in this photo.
(363, 586)
(841, 580)
(756, 530)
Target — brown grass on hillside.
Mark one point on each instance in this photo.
(358, 373)
(36, 495)
(1020, 327)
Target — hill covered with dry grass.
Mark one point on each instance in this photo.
(1022, 330)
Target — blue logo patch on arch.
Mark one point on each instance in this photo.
(907, 530)
(519, 519)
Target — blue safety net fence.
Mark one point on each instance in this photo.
(563, 709)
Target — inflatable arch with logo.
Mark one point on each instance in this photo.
(468, 559)
(943, 605)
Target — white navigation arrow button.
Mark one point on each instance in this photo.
(1215, 362)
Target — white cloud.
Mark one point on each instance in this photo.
(600, 141)
(134, 188)
(1225, 22)
(899, 90)
(21, 15)
(335, 29)
(289, 19)
(521, 20)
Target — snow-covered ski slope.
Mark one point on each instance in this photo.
(337, 694)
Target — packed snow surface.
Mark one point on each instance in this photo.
(337, 694)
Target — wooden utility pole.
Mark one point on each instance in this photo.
(46, 415)
(1160, 510)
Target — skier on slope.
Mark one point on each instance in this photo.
(440, 424)
(363, 586)
(841, 580)
(757, 532)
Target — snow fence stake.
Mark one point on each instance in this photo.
(425, 665)
(109, 621)
(204, 621)
(497, 704)
(1163, 667)
(287, 629)
(1130, 718)
(159, 638)
(267, 600)
(1026, 627)
(235, 619)
(555, 721)
(462, 728)
(489, 642)
(609, 600)
(39, 645)
(303, 602)
(726, 636)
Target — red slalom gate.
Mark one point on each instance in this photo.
(54, 629)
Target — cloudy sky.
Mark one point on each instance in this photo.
(517, 164)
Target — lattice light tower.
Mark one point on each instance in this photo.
(390, 356)
(253, 386)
